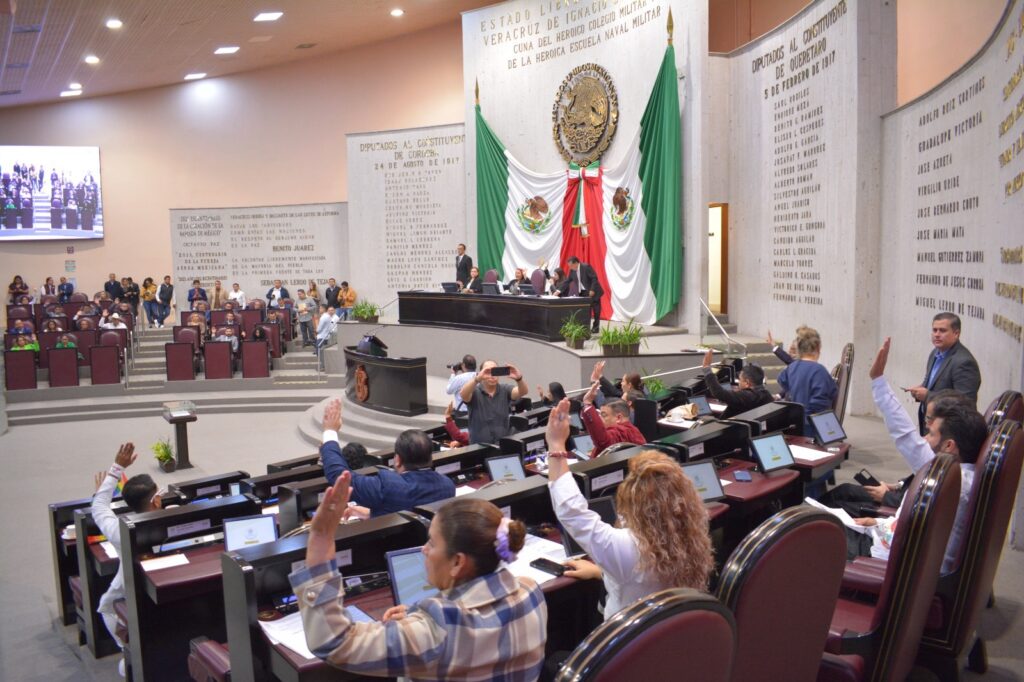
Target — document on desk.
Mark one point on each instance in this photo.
(288, 632)
(461, 490)
(535, 548)
(108, 547)
(164, 562)
(810, 454)
(840, 514)
(718, 408)
(725, 482)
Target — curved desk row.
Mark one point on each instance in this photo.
(529, 316)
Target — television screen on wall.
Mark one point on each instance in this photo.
(50, 193)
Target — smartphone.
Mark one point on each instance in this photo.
(864, 477)
(501, 371)
(548, 566)
(742, 475)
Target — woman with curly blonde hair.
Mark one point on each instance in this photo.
(661, 539)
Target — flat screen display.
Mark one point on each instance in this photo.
(772, 452)
(408, 572)
(704, 476)
(828, 427)
(703, 407)
(507, 468)
(249, 530)
(582, 445)
(50, 193)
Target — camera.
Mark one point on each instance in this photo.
(455, 366)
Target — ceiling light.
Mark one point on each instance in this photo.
(70, 93)
(114, 23)
(268, 16)
(228, 49)
(92, 59)
(194, 76)
(74, 86)
(397, 12)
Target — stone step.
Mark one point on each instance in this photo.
(713, 329)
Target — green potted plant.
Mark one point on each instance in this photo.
(654, 385)
(623, 340)
(574, 332)
(365, 311)
(164, 454)
(610, 340)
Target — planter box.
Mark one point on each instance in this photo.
(613, 350)
(168, 466)
(368, 320)
(575, 343)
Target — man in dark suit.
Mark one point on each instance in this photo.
(64, 290)
(113, 287)
(950, 365)
(462, 265)
(331, 293)
(589, 286)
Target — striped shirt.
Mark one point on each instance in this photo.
(492, 627)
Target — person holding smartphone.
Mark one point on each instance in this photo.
(490, 402)
(661, 539)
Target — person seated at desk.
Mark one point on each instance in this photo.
(558, 283)
(474, 285)
(227, 334)
(459, 438)
(66, 342)
(610, 424)
(412, 482)
(20, 327)
(662, 539)
(140, 494)
(490, 402)
(630, 381)
(112, 321)
(196, 319)
(26, 342)
(750, 392)
(955, 428)
(806, 381)
(517, 280)
(486, 624)
(56, 311)
(52, 326)
(196, 294)
(785, 356)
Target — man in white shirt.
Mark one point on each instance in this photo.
(956, 429)
(325, 328)
(460, 375)
(113, 321)
(276, 295)
(237, 295)
(140, 494)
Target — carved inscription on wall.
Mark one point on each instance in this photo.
(256, 245)
(799, 134)
(407, 197)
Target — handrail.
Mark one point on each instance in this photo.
(718, 324)
(648, 376)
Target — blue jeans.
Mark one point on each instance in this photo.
(165, 310)
(152, 309)
(344, 313)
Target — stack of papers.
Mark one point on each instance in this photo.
(164, 562)
(288, 632)
(464, 490)
(840, 514)
(535, 548)
(810, 454)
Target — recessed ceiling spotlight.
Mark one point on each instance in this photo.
(227, 49)
(268, 16)
(74, 86)
(397, 12)
(114, 23)
(194, 76)
(92, 59)
(70, 93)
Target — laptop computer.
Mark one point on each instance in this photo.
(505, 468)
(705, 478)
(828, 428)
(772, 452)
(582, 445)
(491, 288)
(450, 287)
(407, 570)
(246, 531)
(605, 508)
(703, 407)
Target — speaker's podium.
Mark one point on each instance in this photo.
(393, 385)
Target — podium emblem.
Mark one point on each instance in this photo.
(362, 384)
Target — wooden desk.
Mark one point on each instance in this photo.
(812, 471)
(201, 575)
(526, 316)
(752, 502)
(392, 385)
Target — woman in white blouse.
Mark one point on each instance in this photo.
(661, 539)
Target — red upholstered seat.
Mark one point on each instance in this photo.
(491, 276)
(669, 635)
(63, 367)
(180, 361)
(217, 359)
(19, 370)
(787, 571)
(538, 281)
(1010, 405)
(105, 364)
(255, 359)
(209, 661)
(885, 635)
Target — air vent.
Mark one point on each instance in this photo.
(305, 46)
(27, 28)
(17, 65)
(9, 92)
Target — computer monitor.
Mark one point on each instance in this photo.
(505, 468)
(408, 572)
(574, 420)
(705, 478)
(245, 531)
(772, 452)
(526, 290)
(605, 508)
(773, 417)
(703, 407)
(491, 288)
(582, 445)
(828, 428)
(450, 287)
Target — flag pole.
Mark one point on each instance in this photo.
(671, 26)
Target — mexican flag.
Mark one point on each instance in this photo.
(623, 220)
